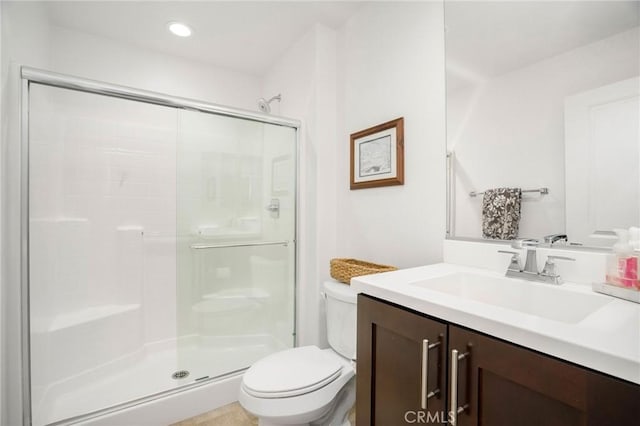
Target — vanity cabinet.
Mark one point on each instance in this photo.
(391, 356)
(497, 383)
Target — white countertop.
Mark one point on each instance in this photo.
(608, 340)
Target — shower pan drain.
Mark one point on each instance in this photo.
(180, 374)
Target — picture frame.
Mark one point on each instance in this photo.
(377, 155)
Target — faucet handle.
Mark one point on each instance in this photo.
(549, 269)
(515, 260)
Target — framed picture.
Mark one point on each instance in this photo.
(377, 155)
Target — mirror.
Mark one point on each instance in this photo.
(544, 97)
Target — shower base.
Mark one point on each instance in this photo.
(147, 372)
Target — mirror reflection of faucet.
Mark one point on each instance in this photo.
(530, 272)
(554, 238)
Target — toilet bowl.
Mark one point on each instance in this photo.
(308, 385)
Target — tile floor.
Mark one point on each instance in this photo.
(233, 415)
(229, 415)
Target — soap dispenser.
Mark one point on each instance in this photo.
(622, 266)
(634, 242)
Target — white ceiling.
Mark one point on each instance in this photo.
(248, 36)
(486, 39)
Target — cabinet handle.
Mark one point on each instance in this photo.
(454, 409)
(424, 391)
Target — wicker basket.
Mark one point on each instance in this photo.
(345, 269)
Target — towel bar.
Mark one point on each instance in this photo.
(542, 191)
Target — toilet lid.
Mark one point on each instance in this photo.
(291, 372)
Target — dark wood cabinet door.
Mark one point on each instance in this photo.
(504, 384)
(612, 401)
(389, 365)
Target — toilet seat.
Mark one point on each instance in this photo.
(291, 373)
(308, 385)
(305, 407)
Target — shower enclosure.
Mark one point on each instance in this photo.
(159, 243)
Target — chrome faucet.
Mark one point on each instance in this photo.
(531, 262)
(530, 272)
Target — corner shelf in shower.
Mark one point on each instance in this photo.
(81, 317)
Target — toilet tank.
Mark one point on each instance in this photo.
(340, 303)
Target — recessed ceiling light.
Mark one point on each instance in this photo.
(179, 29)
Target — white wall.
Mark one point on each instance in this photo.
(509, 131)
(99, 58)
(305, 76)
(25, 35)
(392, 65)
(386, 61)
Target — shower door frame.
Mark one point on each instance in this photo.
(30, 75)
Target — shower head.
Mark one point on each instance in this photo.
(265, 106)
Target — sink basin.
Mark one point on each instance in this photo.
(542, 300)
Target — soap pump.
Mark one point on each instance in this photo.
(622, 269)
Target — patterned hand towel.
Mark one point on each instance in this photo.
(501, 213)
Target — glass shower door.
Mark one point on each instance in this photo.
(236, 242)
(101, 251)
(161, 248)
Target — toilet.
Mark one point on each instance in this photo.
(308, 385)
